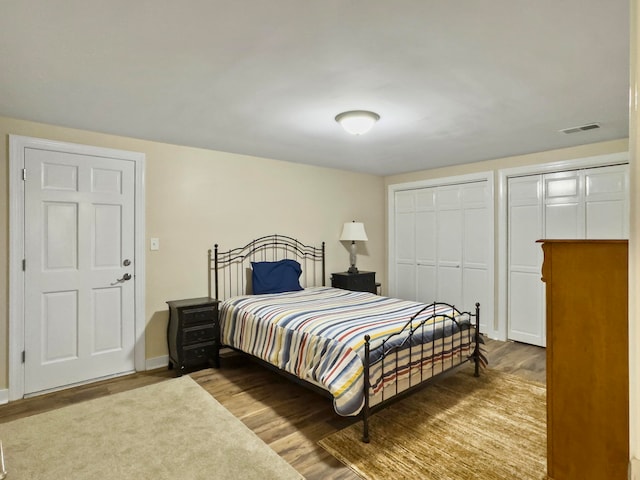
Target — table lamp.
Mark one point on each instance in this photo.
(353, 231)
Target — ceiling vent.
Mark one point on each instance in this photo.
(581, 128)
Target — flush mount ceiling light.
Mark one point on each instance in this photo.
(357, 122)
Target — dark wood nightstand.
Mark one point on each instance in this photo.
(193, 337)
(359, 282)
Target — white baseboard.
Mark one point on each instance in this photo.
(157, 362)
(634, 469)
(150, 364)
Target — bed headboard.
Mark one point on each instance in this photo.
(230, 271)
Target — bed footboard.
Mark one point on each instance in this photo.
(447, 352)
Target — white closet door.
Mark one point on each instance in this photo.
(405, 245)
(477, 243)
(525, 290)
(426, 245)
(449, 244)
(581, 204)
(443, 246)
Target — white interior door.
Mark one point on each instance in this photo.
(79, 250)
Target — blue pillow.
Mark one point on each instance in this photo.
(276, 277)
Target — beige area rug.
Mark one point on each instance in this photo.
(170, 430)
(460, 427)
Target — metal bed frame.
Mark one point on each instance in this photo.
(229, 274)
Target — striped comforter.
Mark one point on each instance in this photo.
(317, 334)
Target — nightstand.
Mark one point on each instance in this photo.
(359, 282)
(192, 334)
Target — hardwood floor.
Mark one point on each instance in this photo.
(288, 417)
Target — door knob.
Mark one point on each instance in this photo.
(124, 278)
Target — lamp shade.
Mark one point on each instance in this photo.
(357, 122)
(353, 231)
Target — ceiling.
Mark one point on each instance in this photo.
(453, 81)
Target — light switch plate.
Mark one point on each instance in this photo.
(155, 244)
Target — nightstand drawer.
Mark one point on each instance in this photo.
(198, 354)
(359, 282)
(198, 334)
(196, 316)
(363, 282)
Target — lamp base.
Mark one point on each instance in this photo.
(352, 258)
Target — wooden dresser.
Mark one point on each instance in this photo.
(587, 359)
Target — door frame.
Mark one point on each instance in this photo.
(440, 182)
(16, 344)
(503, 178)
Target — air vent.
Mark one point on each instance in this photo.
(581, 128)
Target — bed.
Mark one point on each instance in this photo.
(361, 349)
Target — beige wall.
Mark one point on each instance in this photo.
(196, 197)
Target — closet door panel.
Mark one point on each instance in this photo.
(476, 255)
(562, 221)
(405, 238)
(563, 202)
(606, 202)
(425, 199)
(476, 239)
(426, 255)
(405, 248)
(425, 237)
(448, 197)
(606, 220)
(427, 284)
(525, 307)
(405, 227)
(450, 237)
(607, 183)
(525, 229)
(450, 285)
(476, 283)
(449, 234)
(405, 281)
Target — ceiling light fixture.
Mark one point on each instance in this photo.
(357, 122)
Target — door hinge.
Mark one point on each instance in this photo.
(23, 356)
(24, 174)
(24, 264)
